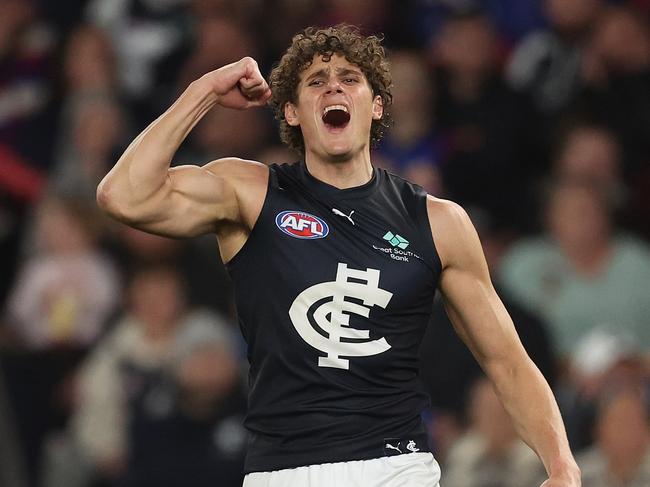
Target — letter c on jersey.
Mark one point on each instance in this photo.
(337, 326)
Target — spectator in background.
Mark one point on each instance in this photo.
(490, 453)
(278, 21)
(481, 119)
(126, 385)
(371, 15)
(97, 126)
(582, 274)
(412, 148)
(200, 441)
(234, 134)
(26, 45)
(67, 290)
(621, 455)
(25, 49)
(219, 41)
(591, 153)
(151, 39)
(601, 359)
(89, 63)
(617, 92)
(547, 64)
(207, 282)
(617, 74)
(57, 308)
(92, 121)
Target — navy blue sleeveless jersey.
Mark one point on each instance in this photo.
(334, 290)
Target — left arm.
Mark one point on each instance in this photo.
(481, 320)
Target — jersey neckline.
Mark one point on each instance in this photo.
(325, 189)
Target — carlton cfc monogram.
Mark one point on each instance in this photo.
(331, 318)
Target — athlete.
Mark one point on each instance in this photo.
(335, 264)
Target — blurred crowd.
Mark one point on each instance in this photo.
(121, 363)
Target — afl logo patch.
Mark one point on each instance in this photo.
(301, 225)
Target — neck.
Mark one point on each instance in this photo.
(341, 173)
(590, 261)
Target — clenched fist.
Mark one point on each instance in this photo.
(239, 85)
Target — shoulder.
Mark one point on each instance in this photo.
(446, 212)
(235, 170)
(452, 229)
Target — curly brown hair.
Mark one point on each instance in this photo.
(364, 51)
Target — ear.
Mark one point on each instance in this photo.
(291, 114)
(377, 108)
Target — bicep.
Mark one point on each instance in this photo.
(193, 201)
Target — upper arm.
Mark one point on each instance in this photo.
(473, 306)
(196, 200)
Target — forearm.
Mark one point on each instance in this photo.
(531, 404)
(142, 170)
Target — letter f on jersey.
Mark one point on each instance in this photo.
(331, 318)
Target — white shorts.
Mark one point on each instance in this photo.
(411, 470)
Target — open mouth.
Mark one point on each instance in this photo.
(336, 116)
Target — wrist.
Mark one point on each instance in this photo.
(202, 88)
(565, 470)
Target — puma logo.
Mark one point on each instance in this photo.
(391, 447)
(340, 213)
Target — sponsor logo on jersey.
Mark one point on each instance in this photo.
(303, 225)
(321, 315)
(396, 240)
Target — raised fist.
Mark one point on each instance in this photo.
(239, 85)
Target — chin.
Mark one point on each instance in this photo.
(340, 153)
(340, 158)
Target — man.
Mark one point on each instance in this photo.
(334, 267)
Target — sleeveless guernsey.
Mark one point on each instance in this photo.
(334, 290)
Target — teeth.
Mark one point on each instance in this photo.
(334, 107)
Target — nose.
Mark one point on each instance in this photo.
(334, 86)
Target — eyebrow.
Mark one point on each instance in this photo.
(316, 74)
(339, 72)
(345, 71)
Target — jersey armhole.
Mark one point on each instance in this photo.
(272, 181)
(433, 258)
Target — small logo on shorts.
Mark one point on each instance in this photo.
(394, 446)
(411, 447)
(302, 225)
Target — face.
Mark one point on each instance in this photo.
(157, 301)
(590, 155)
(578, 218)
(335, 108)
(571, 15)
(468, 47)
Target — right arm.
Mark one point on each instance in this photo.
(143, 191)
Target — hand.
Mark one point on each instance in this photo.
(239, 85)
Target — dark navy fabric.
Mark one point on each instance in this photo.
(334, 290)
